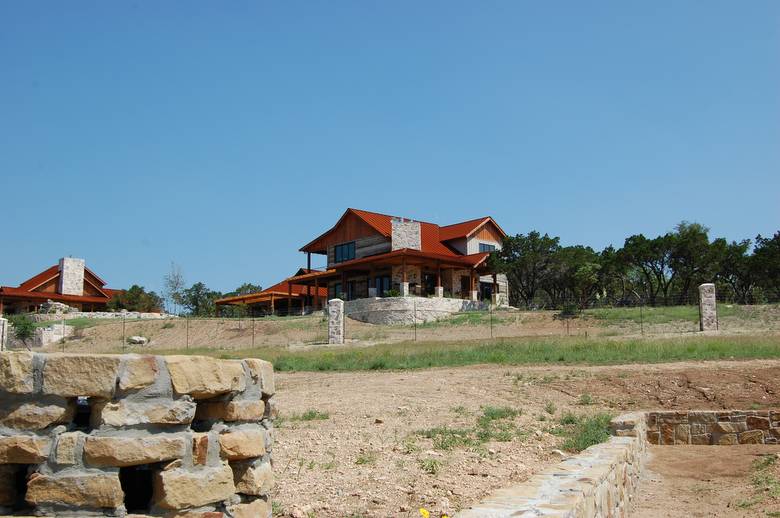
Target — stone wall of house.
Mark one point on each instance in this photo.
(598, 482)
(71, 280)
(413, 275)
(714, 427)
(111, 435)
(407, 310)
(405, 234)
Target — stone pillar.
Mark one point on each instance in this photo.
(438, 291)
(336, 321)
(371, 292)
(71, 280)
(404, 289)
(708, 312)
(474, 295)
(3, 333)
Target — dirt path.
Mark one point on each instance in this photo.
(703, 481)
(365, 459)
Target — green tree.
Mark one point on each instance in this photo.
(693, 259)
(738, 271)
(199, 300)
(136, 299)
(652, 260)
(766, 256)
(525, 259)
(23, 328)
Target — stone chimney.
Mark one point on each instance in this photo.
(405, 234)
(71, 276)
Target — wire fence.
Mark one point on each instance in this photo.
(296, 332)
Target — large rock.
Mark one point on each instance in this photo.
(263, 374)
(80, 375)
(94, 490)
(35, 416)
(751, 437)
(24, 449)
(253, 478)
(16, 372)
(203, 377)
(131, 451)
(128, 413)
(256, 509)
(138, 372)
(7, 484)
(65, 448)
(243, 410)
(242, 444)
(181, 489)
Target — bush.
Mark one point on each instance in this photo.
(586, 431)
(24, 327)
(392, 293)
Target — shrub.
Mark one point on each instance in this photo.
(24, 327)
(587, 431)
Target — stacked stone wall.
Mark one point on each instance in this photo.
(714, 427)
(118, 315)
(408, 310)
(131, 435)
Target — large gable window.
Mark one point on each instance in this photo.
(344, 252)
(484, 247)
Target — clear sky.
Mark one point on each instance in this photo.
(225, 135)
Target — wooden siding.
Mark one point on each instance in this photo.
(364, 247)
(352, 228)
(49, 286)
(488, 232)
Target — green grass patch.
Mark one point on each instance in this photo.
(310, 415)
(510, 351)
(430, 466)
(78, 323)
(495, 424)
(580, 432)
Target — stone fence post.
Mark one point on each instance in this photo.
(3, 333)
(708, 311)
(336, 321)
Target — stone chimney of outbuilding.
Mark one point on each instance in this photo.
(71, 276)
(405, 234)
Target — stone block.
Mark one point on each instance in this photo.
(65, 448)
(200, 448)
(242, 444)
(131, 451)
(701, 439)
(757, 423)
(702, 417)
(667, 433)
(682, 434)
(728, 439)
(242, 410)
(728, 427)
(138, 372)
(181, 489)
(35, 416)
(203, 377)
(7, 484)
(751, 437)
(93, 490)
(263, 374)
(16, 372)
(253, 478)
(654, 437)
(80, 375)
(708, 312)
(155, 411)
(256, 509)
(24, 449)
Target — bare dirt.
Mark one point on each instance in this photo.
(365, 458)
(704, 481)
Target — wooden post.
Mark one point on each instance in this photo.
(438, 275)
(308, 262)
(272, 304)
(317, 292)
(403, 269)
(289, 299)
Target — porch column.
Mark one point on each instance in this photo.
(404, 282)
(273, 309)
(494, 294)
(439, 290)
(289, 299)
(474, 294)
(316, 293)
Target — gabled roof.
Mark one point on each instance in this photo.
(28, 288)
(433, 237)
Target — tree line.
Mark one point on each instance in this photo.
(662, 270)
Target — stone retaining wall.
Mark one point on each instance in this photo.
(714, 427)
(404, 310)
(598, 482)
(117, 435)
(118, 315)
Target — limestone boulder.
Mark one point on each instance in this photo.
(257, 509)
(203, 377)
(138, 372)
(16, 372)
(253, 478)
(242, 444)
(80, 375)
(757, 423)
(137, 340)
(181, 489)
(243, 410)
(263, 374)
(65, 448)
(128, 413)
(132, 451)
(93, 490)
(35, 416)
(24, 449)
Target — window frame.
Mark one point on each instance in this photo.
(340, 249)
(490, 247)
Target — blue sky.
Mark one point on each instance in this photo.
(224, 136)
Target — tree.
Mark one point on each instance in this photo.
(652, 259)
(738, 270)
(199, 300)
(23, 328)
(173, 287)
(525, 259)
(239, 310)
(766, 255)
(692, 259)
(136, 299)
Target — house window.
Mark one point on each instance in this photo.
(336, 291)
(344, 252)
(484, 247)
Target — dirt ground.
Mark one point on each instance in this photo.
(365, 458)
(704, 481)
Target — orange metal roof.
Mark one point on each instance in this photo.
(26, 288)
(280, 288)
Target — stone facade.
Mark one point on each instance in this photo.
(708, 309)
(336, 321)
(71, 276)
(714, 427)
(598, 482)
(405, 234)
(108, 435)
(407, 310)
